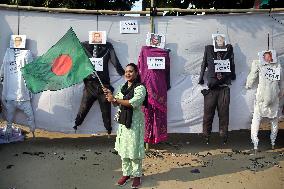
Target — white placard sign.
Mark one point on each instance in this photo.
(129, 26)
(272, 73)
(98, 64)
(222, 65)
(156, 63)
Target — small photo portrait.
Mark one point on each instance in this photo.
(97, 37)
(155, 40)
(266, 57)
(18, 41)
(219, 42)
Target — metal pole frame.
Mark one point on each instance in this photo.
(148, 10)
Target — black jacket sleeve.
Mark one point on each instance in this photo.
(115, 62)
(203, 67)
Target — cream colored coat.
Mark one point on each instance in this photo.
(268, 91)
(14, 87)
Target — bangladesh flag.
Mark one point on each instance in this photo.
(64, 64)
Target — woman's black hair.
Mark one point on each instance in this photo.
(135, 67)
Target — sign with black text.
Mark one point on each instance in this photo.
(129, 26)
(272, 73)
(98, 64)
(156, 63)
(222, 65)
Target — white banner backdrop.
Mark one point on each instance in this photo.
(186, 37)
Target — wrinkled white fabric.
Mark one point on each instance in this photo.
(268, 91)
(24, 106)
(14, 87)
(15, 93)
(267, 99)
(256, 120)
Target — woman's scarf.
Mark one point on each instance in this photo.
(126, 113)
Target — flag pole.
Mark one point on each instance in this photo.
(102, 85)
(95, 72)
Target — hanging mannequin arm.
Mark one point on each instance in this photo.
(3, 65)
(203, 67)
(115, 62)
(253, 75)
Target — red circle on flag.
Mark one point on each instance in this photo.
(61, 65)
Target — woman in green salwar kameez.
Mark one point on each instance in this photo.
(130, 134)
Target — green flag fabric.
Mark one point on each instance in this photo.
(64, 64)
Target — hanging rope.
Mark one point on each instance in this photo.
(97, 22)
(278, 21)
(18, 17)
(274, 18)
(267, 41)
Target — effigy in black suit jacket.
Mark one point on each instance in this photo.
(208, 62)
(93, 90)
(218, 95)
